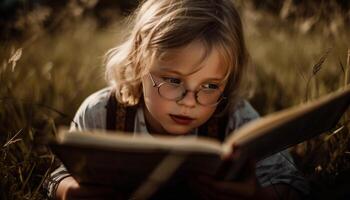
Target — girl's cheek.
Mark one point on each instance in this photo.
(148, 91)
(152, 96)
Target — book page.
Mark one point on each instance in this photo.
(283, 129)
(108, 140)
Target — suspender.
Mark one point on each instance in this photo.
(122, 118)
(119, 117)
(111, 112)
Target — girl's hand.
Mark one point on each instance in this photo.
(247, 188)
(69, 188)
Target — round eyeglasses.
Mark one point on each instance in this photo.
(176, 92)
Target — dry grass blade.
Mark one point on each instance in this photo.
(334, 132)
(317, 67)
(346, 81)
(15, 57)
(29, 175)
(301, 74)
(36, 191)
(13, 140)
(341, 66)
(20, 174)
(347, 68)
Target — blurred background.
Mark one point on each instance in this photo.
(51, 55)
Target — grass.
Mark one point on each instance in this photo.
(47, 73)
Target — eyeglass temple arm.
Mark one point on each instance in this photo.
(154, 84)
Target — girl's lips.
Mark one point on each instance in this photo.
(182, 120)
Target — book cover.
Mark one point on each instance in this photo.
(142, 164)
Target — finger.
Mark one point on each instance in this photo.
(234, 154)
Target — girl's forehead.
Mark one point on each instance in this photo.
(196, 48)
(190, 59)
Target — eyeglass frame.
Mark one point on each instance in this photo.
(158, 85)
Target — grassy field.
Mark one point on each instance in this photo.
(48, 70)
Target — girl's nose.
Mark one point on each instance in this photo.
(189, 99)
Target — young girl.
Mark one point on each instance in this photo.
(180, 72)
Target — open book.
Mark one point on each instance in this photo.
(142, 163)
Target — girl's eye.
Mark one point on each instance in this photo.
(172, 80)
(211, 86)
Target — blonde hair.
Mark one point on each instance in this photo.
(160, 25)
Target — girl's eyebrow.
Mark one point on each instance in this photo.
(163, 69)
(216, 79)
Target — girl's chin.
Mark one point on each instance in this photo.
(178, 132)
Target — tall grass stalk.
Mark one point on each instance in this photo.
(346, 82)
(347, 69)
